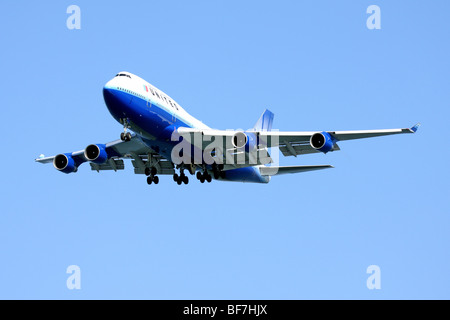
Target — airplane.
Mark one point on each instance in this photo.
(166, 140)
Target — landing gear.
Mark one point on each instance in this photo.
(191, 169)
(205, 176)
(150, 171)
(151, 179)
(125, 136)
(217, 169)
(180, 178)
(151, 175)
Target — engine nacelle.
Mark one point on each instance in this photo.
(96, 153)
(64, 163)
(322, 141)
(248, 140)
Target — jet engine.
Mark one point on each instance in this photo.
(96, 153)
(64, 163)
(322, 141)
(248, 140)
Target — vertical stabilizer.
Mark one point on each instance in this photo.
(264, 122)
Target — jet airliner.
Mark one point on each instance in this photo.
(155, 127)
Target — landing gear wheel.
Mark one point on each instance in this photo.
(208, 178)
(153, 171)
(147, 171)
(216, 174)
(202, 179)
(185, 179)
(179, 181)
(149, 180)
(125, 136)
(175, 177)
(156, 179)
(199, 175)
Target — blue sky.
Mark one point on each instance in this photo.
(307, 236)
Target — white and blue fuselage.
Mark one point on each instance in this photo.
(154, 115)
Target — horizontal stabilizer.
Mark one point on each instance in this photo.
(272, 170)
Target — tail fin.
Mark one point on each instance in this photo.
(264, 122)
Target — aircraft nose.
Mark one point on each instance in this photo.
(108, 95)
(112, 102)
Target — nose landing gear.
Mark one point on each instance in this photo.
(125, 135)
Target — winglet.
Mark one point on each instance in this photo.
(414, 128)
(44, 159)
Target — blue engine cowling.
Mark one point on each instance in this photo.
(252, 142)
(64, 163)
(248, 140)
(322, 141)
(96, 153)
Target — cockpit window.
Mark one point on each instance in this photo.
(123, 75)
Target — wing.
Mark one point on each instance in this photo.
(298, 143)
(291, 143)
(140, 154)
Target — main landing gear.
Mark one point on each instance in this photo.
(204, 176)
(125, 135)
(180, 178)
(151, 175)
